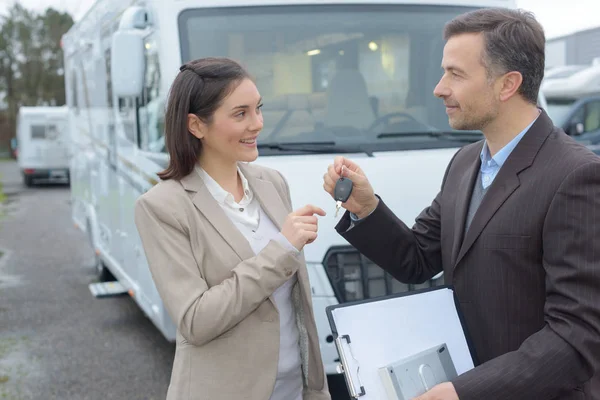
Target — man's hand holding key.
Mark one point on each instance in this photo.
(362, 200)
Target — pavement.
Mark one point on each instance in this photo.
(56, 340)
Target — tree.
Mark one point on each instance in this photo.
(31, 61)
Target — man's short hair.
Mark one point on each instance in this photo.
(514, 41)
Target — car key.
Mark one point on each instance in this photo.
(341, 193)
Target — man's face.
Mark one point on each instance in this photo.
(469, 94)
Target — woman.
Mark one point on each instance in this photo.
(225, 248)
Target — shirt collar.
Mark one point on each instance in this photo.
(501, 156)
(221, 195)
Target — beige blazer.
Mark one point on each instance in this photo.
(219, 293)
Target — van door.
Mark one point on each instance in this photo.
(56, 152)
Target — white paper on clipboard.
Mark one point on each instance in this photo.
(400, 331)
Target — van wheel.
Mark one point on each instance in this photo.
(28, 180)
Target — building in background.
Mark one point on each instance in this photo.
(578, 48)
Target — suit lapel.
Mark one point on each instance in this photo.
(505, 183)
(463, 201)
(211, 210)
(500, 190)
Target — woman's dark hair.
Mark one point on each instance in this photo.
(199, 88)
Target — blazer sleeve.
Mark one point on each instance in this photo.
(566, 352)
(202, 313)
(409, 255)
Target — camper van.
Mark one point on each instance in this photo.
(348, 77)
(42, 144)
(574, 105)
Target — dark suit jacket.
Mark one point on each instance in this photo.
(527, 273)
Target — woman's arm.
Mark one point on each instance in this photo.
(202, 313)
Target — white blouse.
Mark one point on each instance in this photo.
(257, 227)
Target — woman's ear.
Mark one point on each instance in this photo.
(195, 126)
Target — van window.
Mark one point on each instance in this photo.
(109, 93)
(592, 117)
(558, 109)
(38, 132)
(343, 74)
(75, 92)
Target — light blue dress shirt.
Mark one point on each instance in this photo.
(490, 166)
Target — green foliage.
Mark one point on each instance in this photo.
(31, 59)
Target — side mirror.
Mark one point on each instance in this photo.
(575, 128)
(127, 63)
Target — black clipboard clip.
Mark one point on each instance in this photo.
(345, 367)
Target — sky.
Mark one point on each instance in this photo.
(558, 17)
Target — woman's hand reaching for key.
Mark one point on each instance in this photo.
(300, 226)
(362, 200)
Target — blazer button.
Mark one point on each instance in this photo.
(288, 272)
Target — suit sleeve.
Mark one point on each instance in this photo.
(566, 352)
(409, 255)
(202, 313)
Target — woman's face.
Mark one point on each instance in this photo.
(232, 134)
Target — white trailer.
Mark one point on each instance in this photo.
(42, 144)
(347, 77)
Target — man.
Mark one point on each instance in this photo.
(515, 226)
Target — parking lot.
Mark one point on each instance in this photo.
(56, 340)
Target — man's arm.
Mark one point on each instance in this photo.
(409, 255)
(566, 352)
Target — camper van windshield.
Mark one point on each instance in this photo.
(339, 76)
(558, 110)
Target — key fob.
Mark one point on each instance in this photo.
(343, 189)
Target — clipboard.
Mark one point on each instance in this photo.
(399, 346)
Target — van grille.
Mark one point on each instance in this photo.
(355, 277)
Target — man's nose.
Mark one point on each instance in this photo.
(441, 90)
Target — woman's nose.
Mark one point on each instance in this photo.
(257, 122)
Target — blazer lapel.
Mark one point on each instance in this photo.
(463, 200)
(268, 197)
(211, 210)
(507, 181)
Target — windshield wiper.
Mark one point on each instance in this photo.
(314, 147)
(465, 136)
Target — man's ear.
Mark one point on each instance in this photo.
(510, 84)
(195, 126)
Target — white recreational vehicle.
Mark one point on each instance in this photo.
(574, 105)
(43, 144)
(347, 77)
